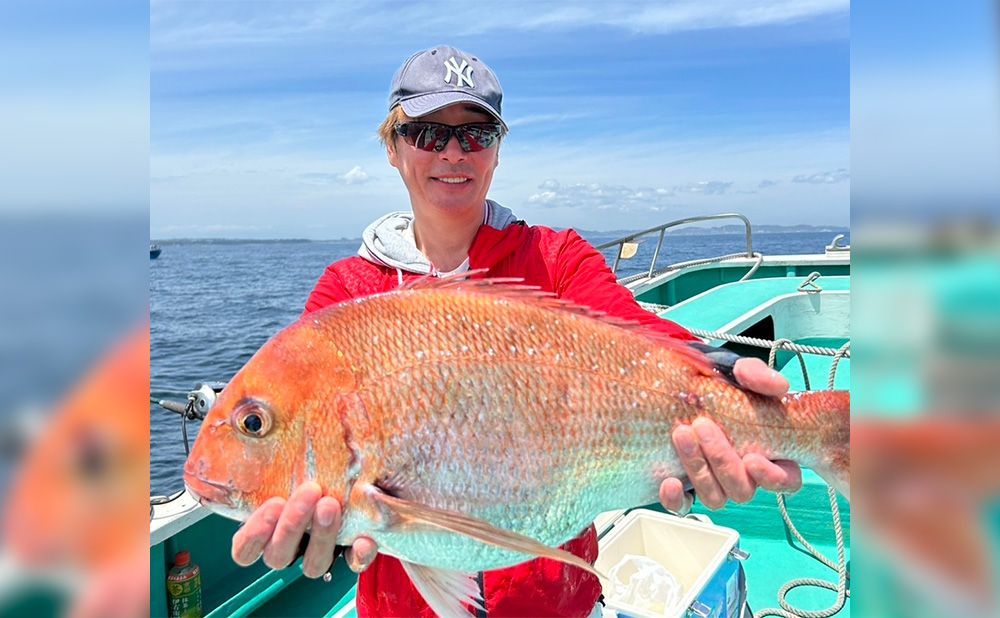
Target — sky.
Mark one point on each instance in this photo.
(925, 109)
(263, 114)
(74, 107)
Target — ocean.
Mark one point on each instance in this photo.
(213, 303)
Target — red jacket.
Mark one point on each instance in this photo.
(559, 262)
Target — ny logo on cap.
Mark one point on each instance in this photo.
(463, 73)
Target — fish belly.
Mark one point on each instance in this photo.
(538, 452)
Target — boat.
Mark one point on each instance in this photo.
(790, 310)
(154, 251)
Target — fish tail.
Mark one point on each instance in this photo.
(830, 413)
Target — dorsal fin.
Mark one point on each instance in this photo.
(514, 288)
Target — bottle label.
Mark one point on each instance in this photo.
(184, 597)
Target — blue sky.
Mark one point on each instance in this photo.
(74, 106)
(263, 114)
(925, 110)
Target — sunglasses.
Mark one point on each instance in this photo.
(433, 137)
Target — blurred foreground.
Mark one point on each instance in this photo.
(74, 450)
(74, 365)
(925, 214)
(926, 437)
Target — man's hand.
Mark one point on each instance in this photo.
(717, 473)
(275, 530)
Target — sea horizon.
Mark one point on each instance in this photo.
(729, 229)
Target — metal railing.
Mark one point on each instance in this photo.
(620, 242)
(836, 246)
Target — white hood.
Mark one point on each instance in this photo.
(389, 240)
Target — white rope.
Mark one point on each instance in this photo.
(844, 350)
(788, 344)
(764, 343)
(787, 610)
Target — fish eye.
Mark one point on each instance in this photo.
(252, 419)
(93, 456)
(252, 423)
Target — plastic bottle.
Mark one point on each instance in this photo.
(184, 588)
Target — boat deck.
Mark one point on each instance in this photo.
(734, 307)
(774, 560)
(719, 307)
(775, 557)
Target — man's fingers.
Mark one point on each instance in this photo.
(730, 473)
(753, 374)
(674, 498)
(699, 472)
(295, 518)
(322, 538)
(361, 554)
(250, 539)
(781, 475)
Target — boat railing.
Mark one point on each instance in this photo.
(627, 245)
(835, 245)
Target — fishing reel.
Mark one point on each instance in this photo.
(199, 402)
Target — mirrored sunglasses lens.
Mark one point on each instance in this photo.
(478, 138)
(431, 137)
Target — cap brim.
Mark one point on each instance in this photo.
(429, 103)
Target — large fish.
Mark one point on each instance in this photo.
(469, 426)
(73, 525)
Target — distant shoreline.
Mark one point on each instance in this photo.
(721, 230)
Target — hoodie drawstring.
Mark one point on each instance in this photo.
(399, 277)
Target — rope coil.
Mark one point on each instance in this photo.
(787, 610)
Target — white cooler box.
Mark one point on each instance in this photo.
(704, 559)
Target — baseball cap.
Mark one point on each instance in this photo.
(436, 78)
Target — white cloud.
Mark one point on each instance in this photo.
(598, 196)
(704, 187)
(764, 184)
(356, 176)
(823, 178)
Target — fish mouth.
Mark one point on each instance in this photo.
(208, 492)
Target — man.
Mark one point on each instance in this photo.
(443, 135)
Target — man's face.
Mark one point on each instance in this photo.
(452, 181)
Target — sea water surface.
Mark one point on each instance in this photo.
(213, 303)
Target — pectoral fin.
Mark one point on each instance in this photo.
(405, 513)
(446, 592)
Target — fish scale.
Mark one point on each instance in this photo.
(494, 402)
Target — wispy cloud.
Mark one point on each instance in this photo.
(201, 229)
(704, 187)
(355, 176)
(596, 196)
(256, 104)
(176, 23)
(764, 184)
(687, 15)
(543, 118)
(823, 178)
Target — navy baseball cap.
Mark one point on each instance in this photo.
(436, 78)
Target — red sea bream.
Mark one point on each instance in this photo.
(469, 425)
